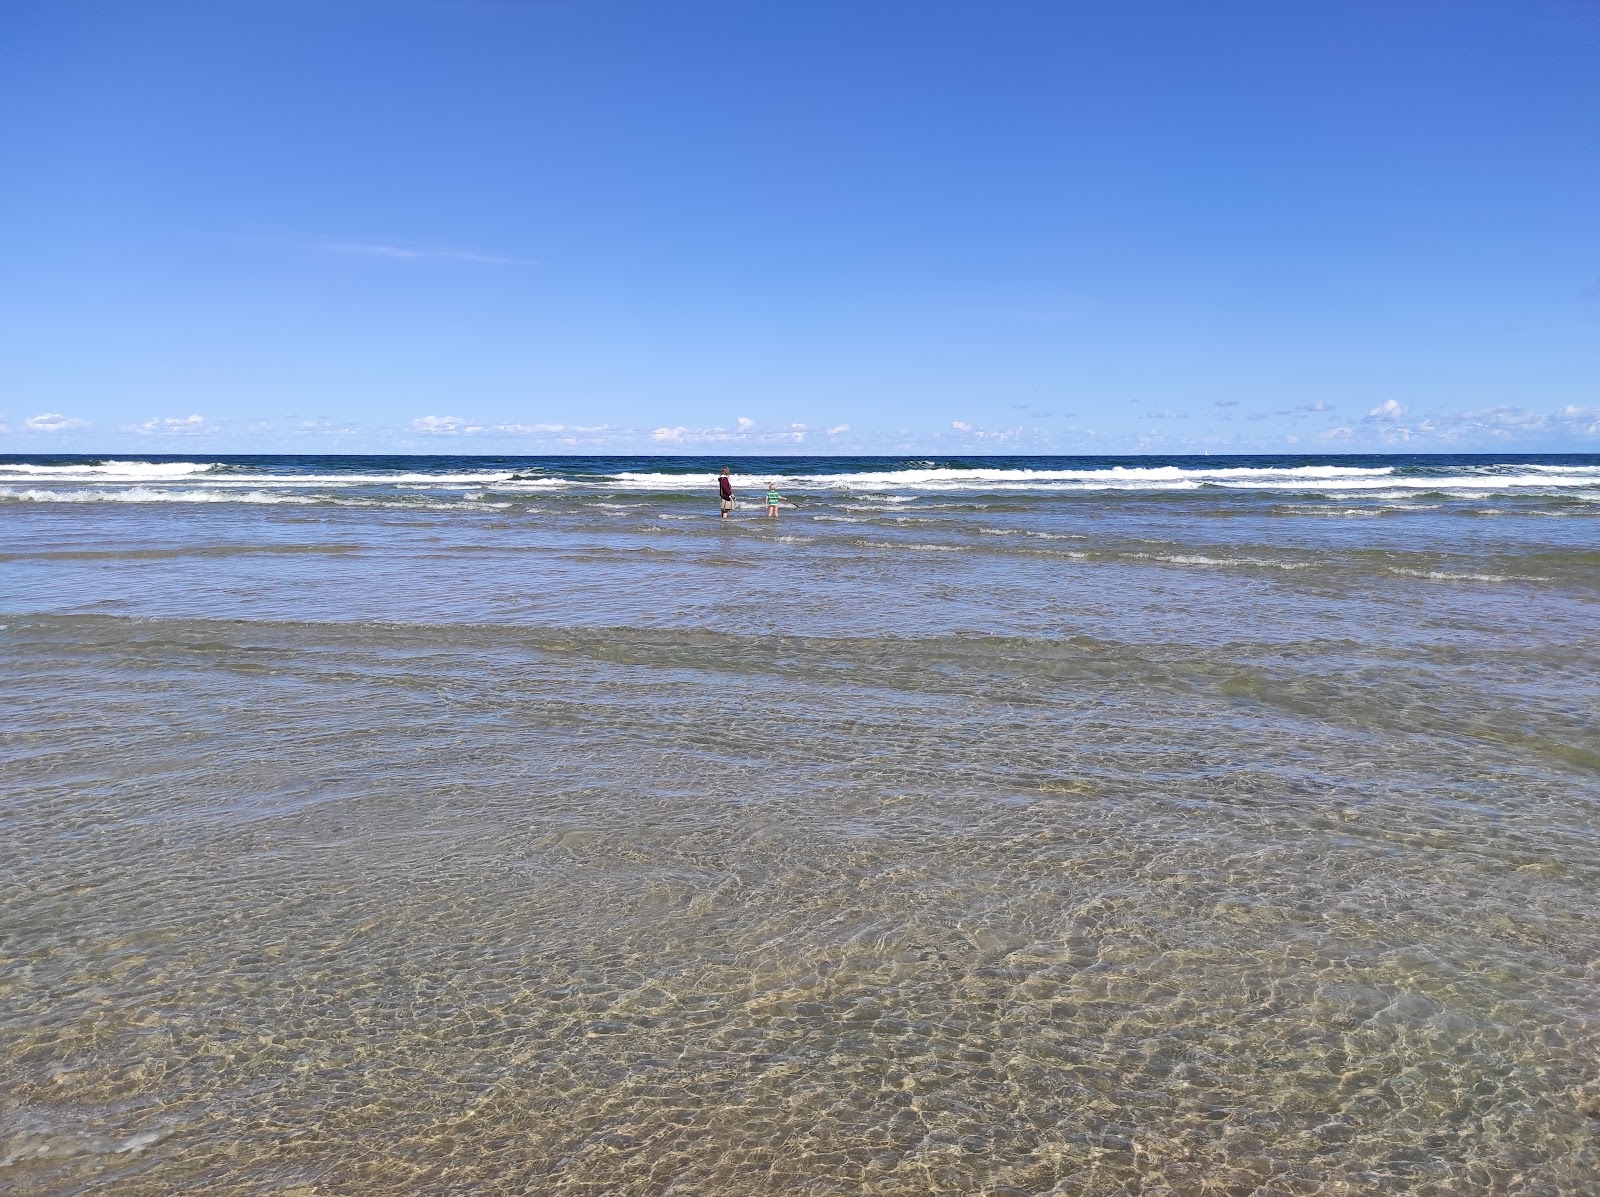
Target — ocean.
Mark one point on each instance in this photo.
(449, 825)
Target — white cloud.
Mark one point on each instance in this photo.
(195, 425)
(745, 429)
(444, 426)
(1508, 417)
(1166, 413)
(52, 422)
(1506, 422)
(970, 431)
(1335, 434)
(320, 428)
(1386, 412)
(1226, 403)
(838, 430)
(1583, 420)
(565, 434)
(1319, 405)
(537, 429)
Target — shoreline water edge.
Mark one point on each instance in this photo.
(1071, 825)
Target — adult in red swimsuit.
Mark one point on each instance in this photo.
(725, 489)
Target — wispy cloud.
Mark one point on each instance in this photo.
(325, 428)
(1584, 420)
(1015, 313)
(51, 421)
(562, 434)
(1388, 412)
(406, 253)
(745, 429)
(520, 429)
(1508, 423)
(968, 431)
(195, 425)
(445, 426)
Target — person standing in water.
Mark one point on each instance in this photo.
(773, 499)
(725, 490)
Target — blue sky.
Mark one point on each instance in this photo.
(1009, 226)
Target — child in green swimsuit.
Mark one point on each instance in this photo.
(773, 499)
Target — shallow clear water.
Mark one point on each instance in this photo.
(453, 826)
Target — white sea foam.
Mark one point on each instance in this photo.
(923, 548)
(865, 490)
(210, 474)
(105, 471)
(147, 494)
(1377, 480)
(1443, 575)
(937, 479)
(1202, 559)
(1031, 533)
(1399, 486)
